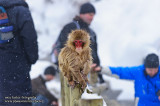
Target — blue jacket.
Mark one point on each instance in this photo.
(145, 86)
(17, 56)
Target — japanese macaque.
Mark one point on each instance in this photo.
(75, 58)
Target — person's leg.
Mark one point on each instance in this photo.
(43, 101)
(101, 80)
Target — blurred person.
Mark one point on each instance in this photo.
(146, 80)
(40, 90)
(18, 51)
(83, 21)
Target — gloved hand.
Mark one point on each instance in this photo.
(96, 68)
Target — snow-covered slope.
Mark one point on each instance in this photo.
(127, 30)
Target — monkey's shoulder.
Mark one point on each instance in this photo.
(68, 53)
(66, 50)
(88, 50)
(87, 53)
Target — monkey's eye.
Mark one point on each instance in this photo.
(80, 41)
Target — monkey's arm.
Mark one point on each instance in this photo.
(63, 64)
(88, 63)
(75, 70)
(87, 67)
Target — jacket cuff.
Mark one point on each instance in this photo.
(107, 71)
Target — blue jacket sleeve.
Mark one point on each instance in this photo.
(149, 97)
(28, 34)
(126, 72)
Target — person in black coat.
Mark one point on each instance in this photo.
(17, 55)
(87, 12)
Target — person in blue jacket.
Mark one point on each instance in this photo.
(146, 79)
(17, 55)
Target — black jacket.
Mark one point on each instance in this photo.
(17, 56)
(72, 26)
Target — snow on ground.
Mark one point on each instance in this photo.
(127, 31)
(127, 87)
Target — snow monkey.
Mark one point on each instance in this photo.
(75, 58)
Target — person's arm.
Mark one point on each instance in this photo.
(95, 54)
(28, 34)
(123, 72)
(150, 97)
(39, 88)
(43, 90)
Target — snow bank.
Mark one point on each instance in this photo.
(127, 30)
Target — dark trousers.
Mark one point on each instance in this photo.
(43, 101)
(101, 80)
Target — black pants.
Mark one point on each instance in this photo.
(101, 80)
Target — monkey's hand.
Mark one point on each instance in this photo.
(87, 67)
(85, 78)
(78, 77)
(75, 71)
(72, 84)
(86, 70)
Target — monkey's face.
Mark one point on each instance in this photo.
(78, 40)
(78, 45)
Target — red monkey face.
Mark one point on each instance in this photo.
(78, 41)
(79, 45)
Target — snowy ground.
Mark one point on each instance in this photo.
(127, 31)
(127, 87)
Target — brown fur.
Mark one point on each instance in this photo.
(73, 65)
